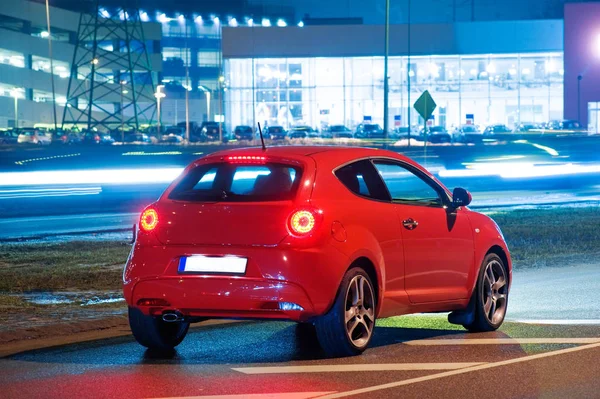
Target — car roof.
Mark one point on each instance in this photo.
(333, 151)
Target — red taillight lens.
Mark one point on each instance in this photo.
(149, 220)
(302, 222)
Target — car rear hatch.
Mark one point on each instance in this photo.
(231, 203)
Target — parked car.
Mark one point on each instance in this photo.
(528, 127)
(340, 132)
(97, 138)
(275, 133)
(137, 137)
(436, 134)
(467, 134)
(194, 127)
(399, 133)
(369, 131)
(9, 137)
(210, 131)
(243, 133)
(171, 138)
(32, 135)
(66, 137)
(567, 125)
(303, 132)
(496, 130)
(177, 130)
(297, 214)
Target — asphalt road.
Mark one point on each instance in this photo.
(42, 188)
(272, 360)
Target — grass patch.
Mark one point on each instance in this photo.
(65, 266)
(536, 238)
(551, 237)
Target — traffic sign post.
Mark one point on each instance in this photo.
(425, 107)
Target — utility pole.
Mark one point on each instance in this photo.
(385, 72)
(408, 77)
(187, 89)
(51, 65)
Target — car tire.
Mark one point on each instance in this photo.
(490, 295)
(347, 328)
(154, 333)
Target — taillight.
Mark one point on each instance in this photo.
(302, 222)
(149, 220)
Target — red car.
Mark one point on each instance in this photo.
(334, 237)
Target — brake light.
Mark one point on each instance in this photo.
(149, 220)
(301, 222)
(246, 159)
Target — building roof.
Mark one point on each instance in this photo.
(486, 37)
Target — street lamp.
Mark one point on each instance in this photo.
(159, 94)
(207, 95)
(15, 94)
(123, 91)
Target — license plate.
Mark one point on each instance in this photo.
(212, 264)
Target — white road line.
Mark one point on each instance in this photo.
(502, 341)
(355, 368)
(575, 322)
(283, 395)
(457, 372)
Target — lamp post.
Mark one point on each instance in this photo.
(159, 94)
(385, 72)
(15, 94)
(123, 91)
(221, 116)
(579, 77)
(207, 95)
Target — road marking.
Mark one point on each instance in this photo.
(355, 368)
(460, 371)
(502, 341)
(575, 322)
(284, 395)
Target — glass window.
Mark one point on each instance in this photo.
(229, 182)
(405, 186)
(362, 179)
(208, 58)
(206, 181)
(12, 58)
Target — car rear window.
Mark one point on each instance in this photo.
(226, 182)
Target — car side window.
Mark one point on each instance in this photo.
(406, 186)
(362, 179)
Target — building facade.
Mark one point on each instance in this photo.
(25, 74)
(483, 72)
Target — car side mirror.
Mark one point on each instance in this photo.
(461, 197)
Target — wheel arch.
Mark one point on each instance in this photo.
(498, 250)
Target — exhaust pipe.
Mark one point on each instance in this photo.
(172, 317)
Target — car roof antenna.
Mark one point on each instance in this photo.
(262, 140)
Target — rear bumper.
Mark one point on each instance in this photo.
(224, 297)
(275, 278)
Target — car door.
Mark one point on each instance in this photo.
(378, 215)
(437, 241)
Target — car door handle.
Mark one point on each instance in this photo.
(410, 224)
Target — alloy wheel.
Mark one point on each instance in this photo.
(495, 292)
(359, 311)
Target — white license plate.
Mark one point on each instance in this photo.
(212, 264)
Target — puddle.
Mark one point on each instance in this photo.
(82, 298)
(100, 301)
